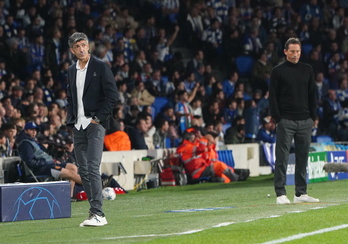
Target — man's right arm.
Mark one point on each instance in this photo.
(26, 153)
(273, 96)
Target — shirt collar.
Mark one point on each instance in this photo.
(78, 66)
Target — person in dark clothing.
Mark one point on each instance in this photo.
(136, 135)
(39, 161)
(293, 106)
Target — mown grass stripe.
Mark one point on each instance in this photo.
(303, 235)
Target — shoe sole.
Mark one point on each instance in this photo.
(82, 225)
(305, 202)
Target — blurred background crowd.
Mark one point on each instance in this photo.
(177, 64)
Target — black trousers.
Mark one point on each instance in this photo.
(299, 131)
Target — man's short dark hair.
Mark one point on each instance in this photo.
(76, 37)
(291, 40)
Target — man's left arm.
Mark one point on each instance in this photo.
(110, 91)
(312, 101)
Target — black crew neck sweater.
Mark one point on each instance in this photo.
(292, 92)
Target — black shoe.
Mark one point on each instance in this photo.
(106, 182)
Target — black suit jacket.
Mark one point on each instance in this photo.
(99, 95)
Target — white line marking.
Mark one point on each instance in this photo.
(152, 235)
(223, 224)
(300, 236)
(199, 230)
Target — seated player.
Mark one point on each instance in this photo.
(40, 162)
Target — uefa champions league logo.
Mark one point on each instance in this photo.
(36, 201)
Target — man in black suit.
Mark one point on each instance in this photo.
(92, 94)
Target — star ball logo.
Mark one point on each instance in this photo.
(35, 202)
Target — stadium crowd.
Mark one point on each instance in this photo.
(136, 38)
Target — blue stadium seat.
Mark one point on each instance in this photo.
(245, 65)
(306, 49)
(226, 156)
(324, 139)
(159, 104)
(225, 127)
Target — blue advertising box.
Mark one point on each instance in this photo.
(32, 201)
(337, 157)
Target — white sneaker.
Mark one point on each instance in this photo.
(283, 199)
(305, 198)
(94, 220)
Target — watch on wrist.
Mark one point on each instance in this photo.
(95, 118)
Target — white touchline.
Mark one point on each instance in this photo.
(300, 236)
(199, 230)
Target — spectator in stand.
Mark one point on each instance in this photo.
(196, 106)
(139, 61)
(16, 96)
(342, 31)
(53, 50)
(235, 134)
(212, 40)
(160, 136)
(266, 133)
(150, 28)
(252, 43)
(141, 40)
(48, 90)
(333, 67)
(209, 16)
(163, 43)
(124, 20)
(342, 134)
(155, 85)
(329, 13)
(145, 75)
(230, 110)
(310, 10)
(331, 107)
(3, 69)
(261, 73)
(151, 129)
(15, 58)
(122, 90)
(231, 43)
(342, 92)
(183, 111)
(228, 85)
(218, 129)
(36, 52)
(61, 98)
(252, 120)
(156, 62)
(321, 90)
(130, 46)
(143, 95)
(192, 64)
(116, 139)
(315, 62)
(137, 134)
(193, 27)
(212, 113)
(131, 116)
(10, 131)
(246, 11)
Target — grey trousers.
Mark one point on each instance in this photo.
(88, 146)
(300, 131)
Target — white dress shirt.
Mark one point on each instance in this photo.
(82, 120)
